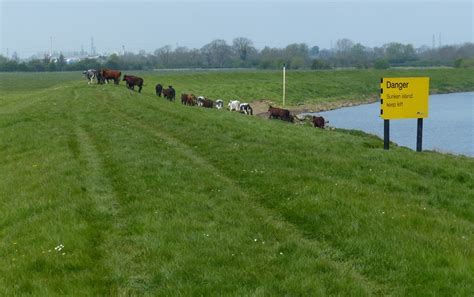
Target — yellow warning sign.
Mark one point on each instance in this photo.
(404, 97)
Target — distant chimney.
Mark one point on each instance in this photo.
(92, 47)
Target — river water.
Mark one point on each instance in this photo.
(449, 127)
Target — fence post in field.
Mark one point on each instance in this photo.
(284, 82)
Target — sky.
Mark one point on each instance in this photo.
(27, 27)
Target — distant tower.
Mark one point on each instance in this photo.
(439, 40)
(92, 47)
(433, 44)
(82, 50)
(123, 49)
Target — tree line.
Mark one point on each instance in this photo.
(243, 54)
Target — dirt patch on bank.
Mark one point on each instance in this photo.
(260, 106)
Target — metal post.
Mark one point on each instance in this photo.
(419, 134)
(284, 82)
(386, 134)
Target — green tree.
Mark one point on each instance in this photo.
(397, 53)
(296, 52)
(61, 62)
(217, 53)
(113, 62)
(343, 52)
(320, 64)
(242, 46)
(163, 55)
(314, 51)
(359, 56)
(381, 64)
(297, 63)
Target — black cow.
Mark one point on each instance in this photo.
(158, 89)
(169, 93)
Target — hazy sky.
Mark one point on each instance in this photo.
(26, 26)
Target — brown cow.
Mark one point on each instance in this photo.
(111, 74)
(184, 98)
(188, 99)
(318, 122)
(280, 113)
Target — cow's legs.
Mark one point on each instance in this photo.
(91, 77)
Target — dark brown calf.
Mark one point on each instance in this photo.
(207, 103)
(318, 122)
(279, 113)
(133, 81)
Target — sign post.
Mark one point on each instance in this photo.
(386, 134)
(419, 134)
(402, 98)
(284, 83)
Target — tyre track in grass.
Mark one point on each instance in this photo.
(24, 101)
(326, 252)
(103, 213)
(102, 216)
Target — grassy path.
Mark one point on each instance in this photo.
(269, 216)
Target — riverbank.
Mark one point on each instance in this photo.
(260, 107)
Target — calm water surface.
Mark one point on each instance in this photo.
(448, 128)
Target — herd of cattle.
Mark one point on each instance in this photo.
(103, 76)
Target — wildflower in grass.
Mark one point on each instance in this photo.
(59, 248)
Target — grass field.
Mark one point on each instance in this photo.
(104, 191)
(249, 85)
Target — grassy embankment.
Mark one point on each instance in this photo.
(155, 198)
(306, 89)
